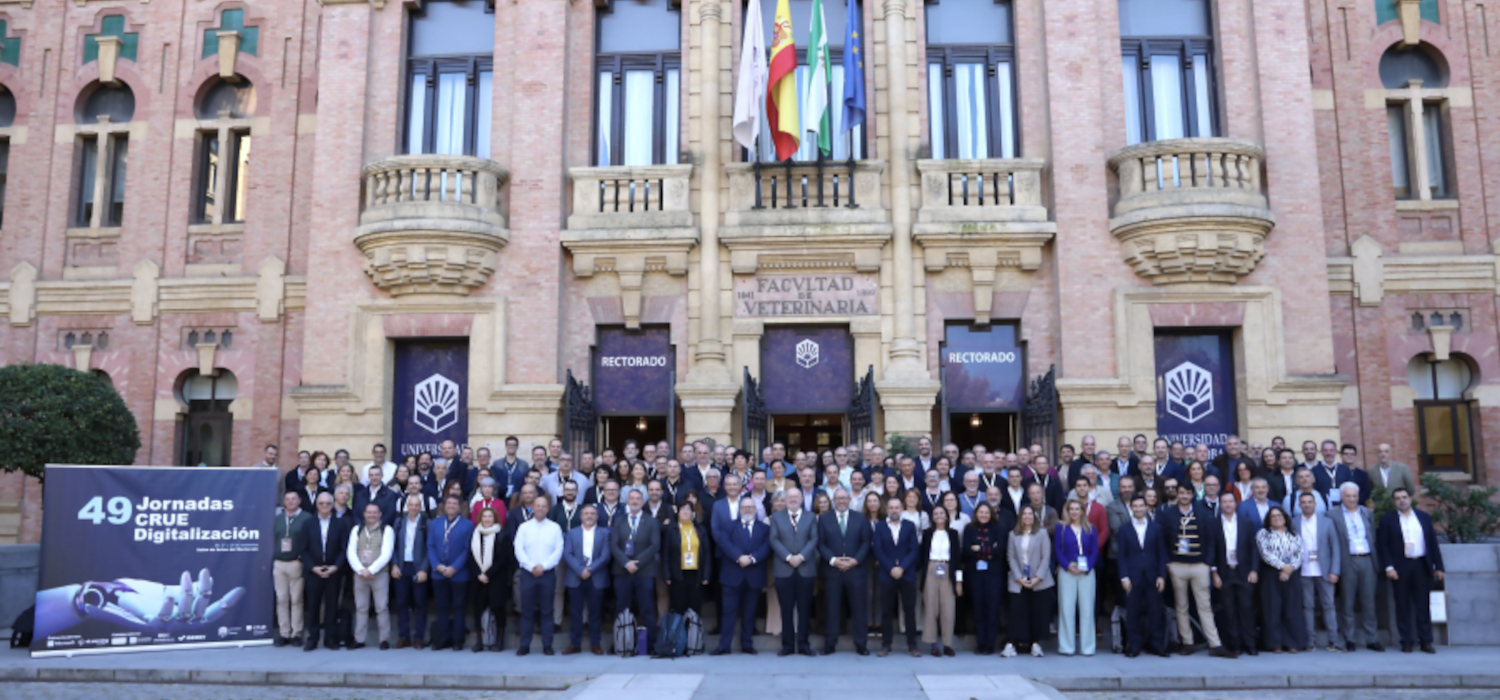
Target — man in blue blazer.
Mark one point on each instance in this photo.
(895, 543)
(1411, 558)
(1143, 575)
(448, 553)
(1259, 503)
(586, 554)
(844, 545)
(744, 546)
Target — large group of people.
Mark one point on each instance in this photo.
(1176, 549)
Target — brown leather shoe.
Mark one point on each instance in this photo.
(598, 651)
(403, 643)
(417, 644)
(917, 653)
(570, 651)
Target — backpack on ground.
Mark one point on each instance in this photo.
(22, 629)
(625, 629)
(694, 625)
(671, 641)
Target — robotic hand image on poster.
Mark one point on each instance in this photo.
(143, 606)
(155, 558)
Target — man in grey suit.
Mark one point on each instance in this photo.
(1391, 475)
(794, 549)
(1355, 527)
(634, 543)
(1320, 568)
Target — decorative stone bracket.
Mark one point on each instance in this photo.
(109, 54)
(83, 356)
(270, 289)
(229, 52)
(630, 261)
(1442, 341)
(206, 353)
(985, 255)
(1411, 21)
(1369, 271)
(145, 293)
(21, 297)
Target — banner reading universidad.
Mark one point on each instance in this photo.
(154, 558)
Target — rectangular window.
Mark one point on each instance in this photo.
(1419, 150)
(1401, 177)
(970, 109)
(449, 106)
(101, 180)
(638, 116)
(4, 169)
(221, 179)
(1169, 88)
(1432, 126)
(1445, 436)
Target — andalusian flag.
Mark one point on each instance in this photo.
(781, 98)
(816, 97)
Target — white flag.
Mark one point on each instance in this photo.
(750, 93)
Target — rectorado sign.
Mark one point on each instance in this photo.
(834, 294)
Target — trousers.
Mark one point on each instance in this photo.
(448, 599)
(1357, 580)
(287, 578)
(1075, 613)
(795, 592)
(1316, 591)
(1193, 579)
(1413, 591)
(939, 604)
(379, 588)
(585, 596)
(411, 604)
(906, 591)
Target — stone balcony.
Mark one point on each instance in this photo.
(431, 224)
(1191, 210)
(805, 216)
(985, 215)
(628, 221)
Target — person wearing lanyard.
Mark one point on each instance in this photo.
(1411, 559)
(1077, 551)
(1355, 527)
(633, 547)
(685, 562)
(942, 581)
(983, 557)
(410, 573)
(970, 497)
(322, 571)
(1235, 576)
(566, 513)
(1029, 553)
(370, 550)
(286, 568)
(586, 551)
(448, 552)
(744, 545)
(1186, 527)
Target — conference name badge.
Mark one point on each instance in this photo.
(1182, 545)
(1083, 563)
(689, 559)
(941, 570)
(286, 545)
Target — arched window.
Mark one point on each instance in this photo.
(1168, 69)
(1445, 438)
(971, 79)
(223, 162)
(449, 62)
(1416, 80)
(104, 152)
(637, 68)
(206, 430)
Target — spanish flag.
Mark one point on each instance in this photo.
(781, 98)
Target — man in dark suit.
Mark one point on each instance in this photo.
(794, 546)
(1143, 575)
(1228, 461)
(1412, 560)
(844, 543)
(895, 544)
(586, 553)
(1039, 472)
(634, 543)
(295, 478)
(1330, 473)
(376, 492)
(744, 545)
(1235, 564)
(323, 566)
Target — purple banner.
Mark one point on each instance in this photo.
(807, 370)
(633, 372)
(432, 396)
(1195, 401)
(983, 369)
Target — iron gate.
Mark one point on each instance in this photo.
(755, 423)
(580, 419)
(1040, 416)
(862, 410)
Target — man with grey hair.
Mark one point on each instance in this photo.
(1355, 527)
(794, 548)
(844, 544)
(1259, 503)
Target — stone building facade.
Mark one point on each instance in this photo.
(530, 218)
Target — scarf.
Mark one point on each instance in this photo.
(483, 546)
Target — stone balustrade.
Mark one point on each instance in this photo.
(631, 197)
(431, 223)
(981, 190)
(1191, 210)
(806, 197)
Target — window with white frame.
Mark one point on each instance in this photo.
(971, 104)
(846, 144)
(103, 156)
(450, 78)
(1167, 60)
(1416, 93)
(638, 88)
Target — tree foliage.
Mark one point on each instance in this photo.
(53, 414)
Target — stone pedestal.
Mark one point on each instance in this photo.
(708, 409)
(907, 405)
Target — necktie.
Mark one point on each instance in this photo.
(843, 528)
(795, 517)
(747, 528)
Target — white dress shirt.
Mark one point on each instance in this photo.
(1231, 527)
(387, 544)
(588, 545)
(1309, 534)
(1140, 530)
(1359, 539)
(1411, 534)
(538, 542)
(411, 539)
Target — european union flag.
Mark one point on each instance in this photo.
(854, 70)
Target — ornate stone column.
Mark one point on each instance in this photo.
(708, 394)
(907, 391)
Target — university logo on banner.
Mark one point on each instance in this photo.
(807, 370)
(1195, 400)
(431, 401)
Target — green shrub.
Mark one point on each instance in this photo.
(1467, 514)
(53, 414)
(900, 446)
